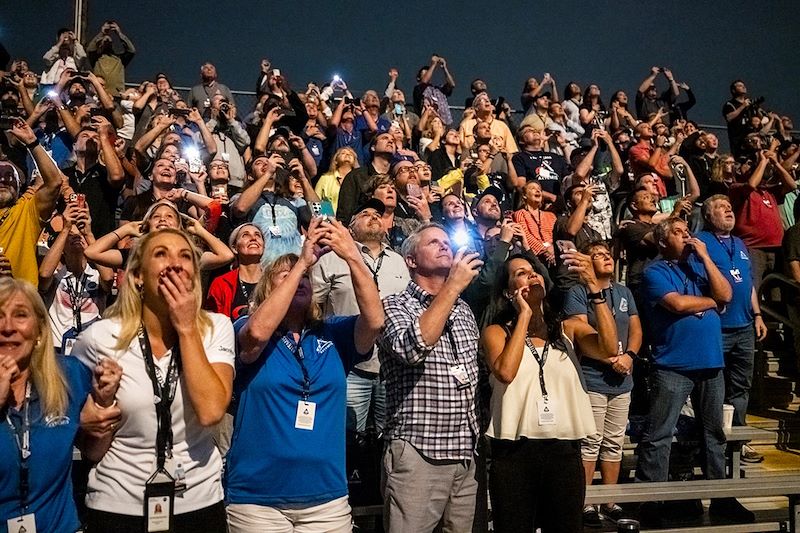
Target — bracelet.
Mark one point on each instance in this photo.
(756, 314)
(633, 354)
(113, 404)
(598, 301)
(185, 193)
(595, 295)
(31, 145)
(117, 234)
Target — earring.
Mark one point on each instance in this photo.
(140, 290)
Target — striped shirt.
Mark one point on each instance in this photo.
(425, 405)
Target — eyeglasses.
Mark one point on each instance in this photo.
(422, 166)
(601, 255)
(405, 170)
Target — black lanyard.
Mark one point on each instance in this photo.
(76, 299)
(542, 360)
(163, 395)
(730, 251)
(375, 271)
(272, 207)
(297, 351)
(684, 277)
(244, 290)
(22, 436)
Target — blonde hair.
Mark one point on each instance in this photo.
(265, 286)
(128, 307)
(336, 160)
(46, 374)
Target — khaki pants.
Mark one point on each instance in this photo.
(418, 492)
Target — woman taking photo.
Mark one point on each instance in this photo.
(540, 410)
(286, 466)
(177, 363)
(41, 398)
(537, 223)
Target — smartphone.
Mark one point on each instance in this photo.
(276, 72)
(399, 109)
(326, 209)
(219, 190)
(412, 189)
(80, 200)
(509, 214)
(179, 112)
(96, 112)
(565, 246)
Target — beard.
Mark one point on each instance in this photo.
(371, 235)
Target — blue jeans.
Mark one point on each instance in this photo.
(739, 347)
(669, 390)
(364, 390)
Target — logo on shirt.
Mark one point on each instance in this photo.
(55, 421)
(323, 345)
(743, 255)
(623, 305)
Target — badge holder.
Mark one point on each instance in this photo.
(159, 500)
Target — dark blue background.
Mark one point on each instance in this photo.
(707, 44)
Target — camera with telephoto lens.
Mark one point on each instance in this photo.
(224, 107)
(757, 102)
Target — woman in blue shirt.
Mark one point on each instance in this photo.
(286, 465)
(41, 398)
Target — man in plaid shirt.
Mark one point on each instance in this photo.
(429, 363)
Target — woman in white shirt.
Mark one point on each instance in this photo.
(540, 410)
(177, 363)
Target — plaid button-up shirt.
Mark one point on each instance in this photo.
(424, 405)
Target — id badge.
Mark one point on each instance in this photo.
(68, 341)
(22, 524)
(159, 500)
(547, 413)
(306, 411)
(460, 375)
(275, 231)
(736, 275)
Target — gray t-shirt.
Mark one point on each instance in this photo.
(600, 377)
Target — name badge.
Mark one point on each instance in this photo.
(736, 275)
(547, 413)
(159, 496)
(22, 524)
(275, 231)
(459, 373)
(176, 470)
(67, 343)
(306, 411)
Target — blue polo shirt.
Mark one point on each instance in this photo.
(681, 341)
(271, 462)
(50, 464)
(732, 258)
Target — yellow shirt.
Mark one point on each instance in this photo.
(328, 188)
(498, 129)
(19, 232)
(453, 177)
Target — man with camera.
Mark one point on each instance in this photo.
(230, 137)
(738, 111)
(436, 95)
(201, 95)
(648, 100)
(109, 57)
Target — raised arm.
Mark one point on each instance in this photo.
(649, 80)
(47, 194)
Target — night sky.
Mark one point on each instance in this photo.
(614, 44)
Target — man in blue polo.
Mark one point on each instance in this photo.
(682, 293)
(741, 319)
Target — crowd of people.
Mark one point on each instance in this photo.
(217, 306)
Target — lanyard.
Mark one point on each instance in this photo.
(163, 395)
(683, 277)
(272, 207)
(297, 351)
(243, 288)
(22, 436)
(542, 360)
(375, 271)
(730, 251)
(76, 298)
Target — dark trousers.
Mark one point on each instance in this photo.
(208, 520)
(536, 482)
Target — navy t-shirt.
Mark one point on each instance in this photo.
(271, 462)
(599, 376)
(733, 260)
(548, 168)
(50, 463)
(681, 341)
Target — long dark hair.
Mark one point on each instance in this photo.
(501, 312)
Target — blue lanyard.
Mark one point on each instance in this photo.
(297, 351)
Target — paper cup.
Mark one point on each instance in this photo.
(727, 416)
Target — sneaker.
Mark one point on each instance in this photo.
(749, 455)
(731, 510)
(591, 518)
(613, 512)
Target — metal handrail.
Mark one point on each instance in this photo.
(770, 282)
